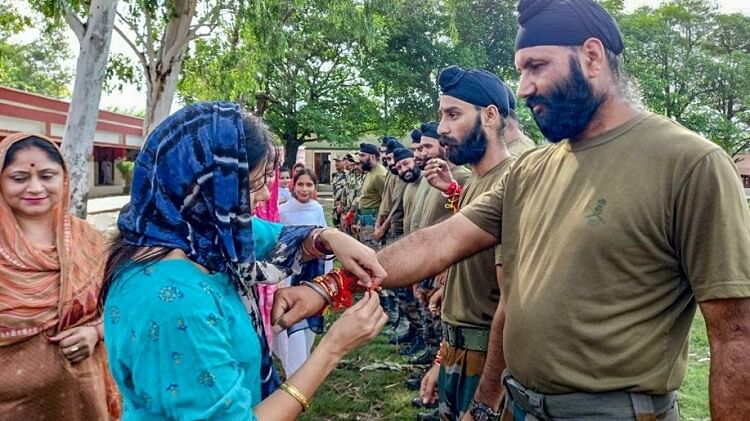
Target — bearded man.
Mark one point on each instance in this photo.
(612, 237)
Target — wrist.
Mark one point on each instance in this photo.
(482, 412)
(331, 349)
(325, 237)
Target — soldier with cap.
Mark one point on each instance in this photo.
(338, 182)
(368, 202)
(478, 120)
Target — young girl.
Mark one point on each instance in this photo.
(285, 176)
(293, 345)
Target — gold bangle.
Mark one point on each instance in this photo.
(296, 394)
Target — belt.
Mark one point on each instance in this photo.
(367, 211)
(588, 406)
(471, 338)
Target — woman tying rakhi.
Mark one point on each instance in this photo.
(180, 281)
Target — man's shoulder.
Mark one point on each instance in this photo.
(379, 171)
(461, 173)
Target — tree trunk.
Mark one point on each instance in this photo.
(160, 96)
(80, 125)
(291, 146)
(163, 74)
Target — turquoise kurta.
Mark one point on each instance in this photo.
(180, 342)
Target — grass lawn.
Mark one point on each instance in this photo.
(353, 394)
(380, 394)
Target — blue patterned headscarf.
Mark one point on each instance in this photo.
(191, 191)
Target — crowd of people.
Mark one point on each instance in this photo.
(535, 283)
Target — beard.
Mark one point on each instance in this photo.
(393, 171)
(366, 166)
(568, 109)
(411, 176)
(471, 150)
(419, 163)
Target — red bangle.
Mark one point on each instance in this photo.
(339, 284)
(319, 246)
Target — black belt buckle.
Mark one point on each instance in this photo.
(526, 399)
(453, 335)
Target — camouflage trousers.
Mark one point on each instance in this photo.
(366, 228)
(432, 325)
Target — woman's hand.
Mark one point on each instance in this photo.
(355, 257)
(77, 343)
(438, 174)
(356, 326)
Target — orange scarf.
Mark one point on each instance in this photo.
(40, 289)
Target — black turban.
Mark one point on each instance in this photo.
(402, 153)
(392, 145)
(369, 148)
(430, 130)
(477, 87)
(387, 140)
(416, 136)
(566, 22)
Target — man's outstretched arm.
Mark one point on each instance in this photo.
(420, 255)
(431, 250)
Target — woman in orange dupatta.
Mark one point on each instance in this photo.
(52, 365)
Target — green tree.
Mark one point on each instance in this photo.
(691, 63)
(401, 65)
(300, 75)
(35, 66)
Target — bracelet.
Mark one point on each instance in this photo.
(317, 288)
(338, 284)
(296, 394)
(320, 247)
(453, 187)
(307, 252)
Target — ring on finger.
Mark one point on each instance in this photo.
(74, 348)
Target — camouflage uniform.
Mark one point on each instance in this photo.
(339, 195)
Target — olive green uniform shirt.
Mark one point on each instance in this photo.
(607, 245)
(393, 202)
(471, 292)
(372, 188)
(410, 195)
(518, 146)
(515, 147)
(434, 204)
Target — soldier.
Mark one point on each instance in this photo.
(338, 182)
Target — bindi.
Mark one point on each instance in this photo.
(33, 165)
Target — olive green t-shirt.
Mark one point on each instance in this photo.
(516, 147)
(372, 188)
(385, 202)
(393, 202)
(410, 194)
(434, 207)
(471, 291)
(607, 245)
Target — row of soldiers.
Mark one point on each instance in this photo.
(443, 321)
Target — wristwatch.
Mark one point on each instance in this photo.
(482, 412)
